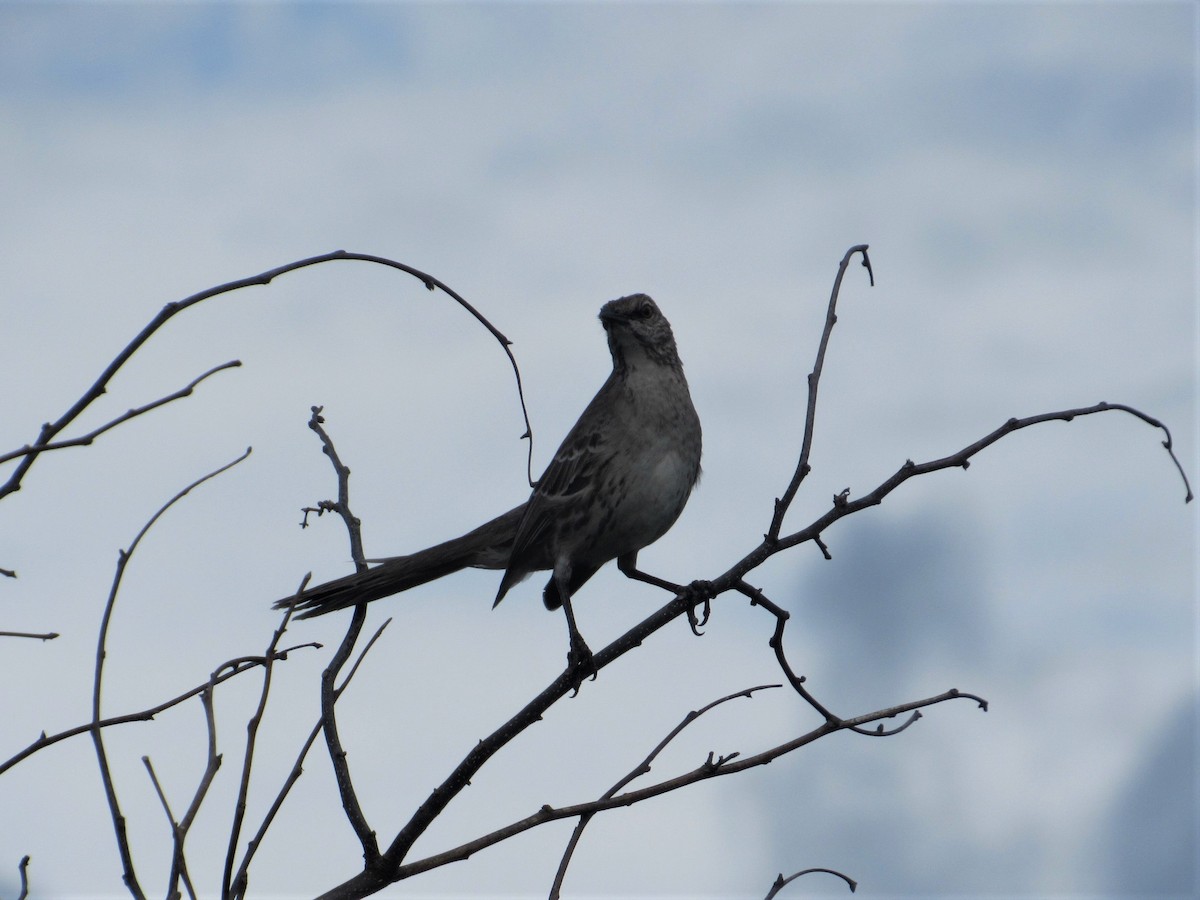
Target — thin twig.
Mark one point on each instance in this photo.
(51, 430)
(47, 636)
(178, 861)
(229, 670)
(333, 741)
(128, 874)
(758, 598)
(239, 813)
(23, 869)
(360, 885)
(814, 378)
(642, 768)
(781, 882)
(86, 439)
(241, 879)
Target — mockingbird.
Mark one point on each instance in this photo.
(617, 483)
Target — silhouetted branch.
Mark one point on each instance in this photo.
(46, 636)
(337, 754)
(229, 670)
(239, 813)
(814, 378)
(781, 882)
(391, 865)
(128, 876)
(712, 767)
(240, 881)
(86, 439)
(23, 870)
(52, 429)
(642, 768)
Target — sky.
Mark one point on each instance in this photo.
(1025, 176)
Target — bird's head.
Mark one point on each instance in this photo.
(638, 330)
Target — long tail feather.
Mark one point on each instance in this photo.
(487, 547)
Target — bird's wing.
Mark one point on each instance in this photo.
(568, 483)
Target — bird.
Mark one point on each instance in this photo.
(617, 483)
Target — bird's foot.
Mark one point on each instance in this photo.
(580, 662)
(696, 593)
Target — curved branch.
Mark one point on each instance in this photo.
(129, 876)
(51, 430)
(781, 882)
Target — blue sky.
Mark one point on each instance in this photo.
(1026, 177)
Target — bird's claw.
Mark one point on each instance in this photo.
(696, 592)
(580, 662)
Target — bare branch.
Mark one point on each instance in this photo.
(814, 378)
(642, 768)
(781, 882)
(23, 869)
(47, 636)
(239, 813)
(241, 879)
(228, 670)
(128, 876)
(85, 440)
(178, 861)
(329, 695)
(52, 429)
(365, 883)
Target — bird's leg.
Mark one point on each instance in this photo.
(580, 655)
(696, 591)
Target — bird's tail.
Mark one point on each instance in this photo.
(487, 547)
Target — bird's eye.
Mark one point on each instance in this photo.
(645, 311)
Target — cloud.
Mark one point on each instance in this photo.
(1152, 829)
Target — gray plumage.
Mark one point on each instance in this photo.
(617, 483)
